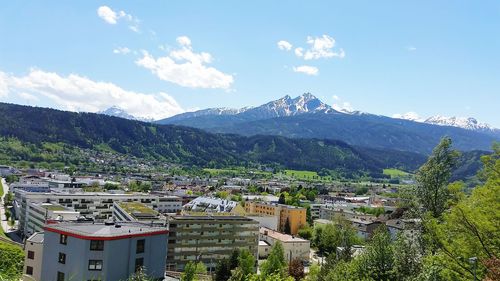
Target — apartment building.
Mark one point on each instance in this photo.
(208, 239)
(102, 251)
(94, 205)
(294, 247)
(294, 216)
(33, 252)
(40, 213)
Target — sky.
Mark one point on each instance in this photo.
(159, 58)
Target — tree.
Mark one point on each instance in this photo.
(192, 269)
(233, 260)
(305, 232)
(282, 199)
(433, 178)
(275, 263)
(407, 257)
(471, 228)
(246, 262)
(287, 229)
(222, 270)
(11, 262)
(379, 256)
(296, 269)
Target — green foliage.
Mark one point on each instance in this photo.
(470, 228)
(221, 194)
(222, 270)
(139, 186)
(305, 232)
(433, 178)
(378, 259)
(340, 233)
(11, 262)
(192, 269)
(246, 262)
(275, 263)
(111, 186)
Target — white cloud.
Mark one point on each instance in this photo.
(186, 68)
(112, 17)
(340, 105)
(284, 45)
(306, 69)
(299, 52)
(108, 15)
(343, 107)
(28, 97)
(121, 50)
(322, 47)
(411, 48)
(413, 116)
(78, 93)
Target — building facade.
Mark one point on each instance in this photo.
(294, 216)
(33, 252)
(294, 247)
(208, 239)
(103, 251)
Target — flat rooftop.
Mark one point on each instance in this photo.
(134, 208)
(210, 217)
(103, 231)
(282, 237)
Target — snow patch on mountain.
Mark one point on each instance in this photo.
(121, 113)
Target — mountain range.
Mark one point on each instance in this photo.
(189, 146)
(308, 117)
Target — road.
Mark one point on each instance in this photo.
(11, 233)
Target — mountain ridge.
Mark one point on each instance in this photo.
(290, 118)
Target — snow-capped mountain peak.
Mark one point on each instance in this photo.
(117, 111)
(468, 123)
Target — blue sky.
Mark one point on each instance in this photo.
(160, 58)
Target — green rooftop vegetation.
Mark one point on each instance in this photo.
(54, 207)
(136, 207)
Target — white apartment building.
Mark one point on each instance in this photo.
(95, 205)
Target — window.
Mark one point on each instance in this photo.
(60, 276)
(96, 245)
(138, 264)
(62, 258)
(140, 246)
(63, 239)
(29, 270)
(31, 255)
(95, 264)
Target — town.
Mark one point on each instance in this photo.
(178, 220)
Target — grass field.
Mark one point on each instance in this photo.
(395, 173)
(237, 171)
(306, 175)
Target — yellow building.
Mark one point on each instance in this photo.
(296, 216)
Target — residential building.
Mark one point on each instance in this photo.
(294, 247)
(40, 213)
(294, 216)
(94, 205)
(209, 239)
(103, 251)
(212, 205)
(33, 252)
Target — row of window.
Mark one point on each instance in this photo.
(98, 245)
(94, 265)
